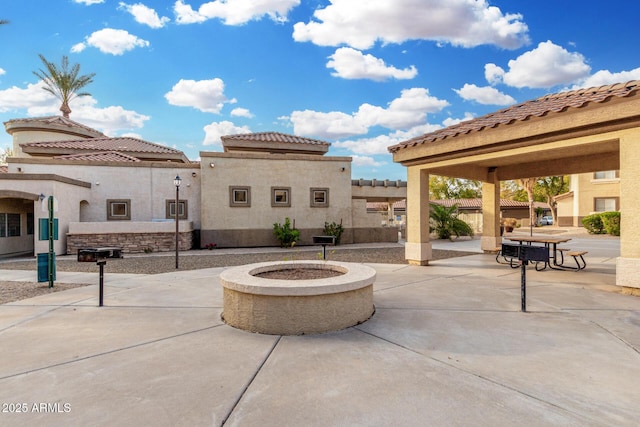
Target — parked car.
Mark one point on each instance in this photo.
(546, 220)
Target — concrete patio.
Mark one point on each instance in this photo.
(446, 346)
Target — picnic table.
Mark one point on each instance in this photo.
(551, 243)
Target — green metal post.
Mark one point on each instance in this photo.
(50, 265)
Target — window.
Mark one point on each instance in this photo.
(280, 197)
(319, 197)
(240, 197)
(606, 204)
(605, 175)
(9, 225)
(171, 209)
(119, 209)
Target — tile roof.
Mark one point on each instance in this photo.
(122, 144)
(52, 120)
(274, 137)
(100, 156)
(555, 103)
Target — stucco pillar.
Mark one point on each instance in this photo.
(491, 212)
(417, 247)
(628, 264)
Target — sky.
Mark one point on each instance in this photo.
(360, 74)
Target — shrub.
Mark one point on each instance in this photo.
(333, 229)
(286, 235)
(445, 222)
(593, 224)
(611, 222)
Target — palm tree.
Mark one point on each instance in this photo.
(63, 82)
(445, 222)
(3, 21)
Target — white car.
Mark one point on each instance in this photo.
(546, 220)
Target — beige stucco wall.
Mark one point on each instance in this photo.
(587, 188)
(261, 172)
(148, 185)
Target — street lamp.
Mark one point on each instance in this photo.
(177, 182)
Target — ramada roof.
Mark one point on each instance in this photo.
(555, 103)
(274, 142)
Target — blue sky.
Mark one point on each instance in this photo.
(361, 74)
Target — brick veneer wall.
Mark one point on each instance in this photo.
(130, 242)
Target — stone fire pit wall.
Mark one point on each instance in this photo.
(296, 307)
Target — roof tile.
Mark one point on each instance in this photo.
(555, 103)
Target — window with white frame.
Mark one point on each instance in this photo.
(319, 197)
(240, 197)
(280, 196)
(119, 209)
(605, 175)
(602, 204)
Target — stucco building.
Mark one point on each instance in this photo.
(120, 192)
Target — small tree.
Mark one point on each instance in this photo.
(5, 154)
(445, 223)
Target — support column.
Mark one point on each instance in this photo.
(628, 264)
(417, 247)
(491, 212)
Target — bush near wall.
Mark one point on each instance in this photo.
(611, 222)
(603, 223)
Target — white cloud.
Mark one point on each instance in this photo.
(450, 121)
(378, 145)
(606, 77)
(543, 67)
(352, 64)
(493, 73)
(2, 71)
(360, 23)
(366, 161)
(144, 15)
(484, 95)
(204, 95)
(38, 102)
(33, 98)
(234, 12)
(215, 130)
(407, 111)
(78, 47)
(241, 112)
(88, 2)
(114, 42)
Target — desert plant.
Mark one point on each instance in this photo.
(333, 229)
(593, 224)
(611, 222)
(285, 233)
(445, 223)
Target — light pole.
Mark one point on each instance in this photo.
(177, 182)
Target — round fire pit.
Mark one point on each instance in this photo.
(289, 306)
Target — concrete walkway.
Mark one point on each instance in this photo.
(447, 346)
